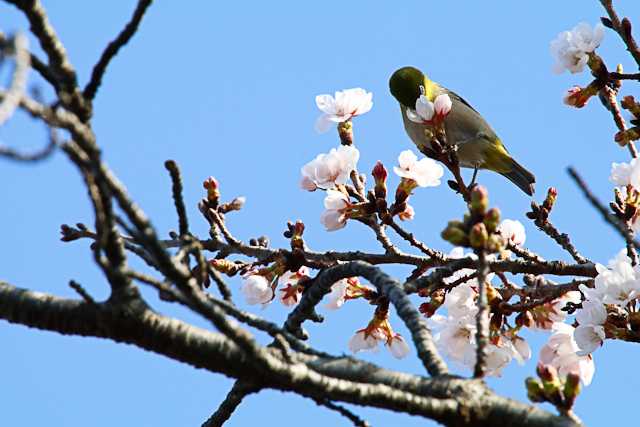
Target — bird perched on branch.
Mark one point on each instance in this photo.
(478, 146)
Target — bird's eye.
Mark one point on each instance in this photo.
(422, 91)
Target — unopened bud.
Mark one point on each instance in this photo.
(296, 235)
(547, 372)
(550, 200)
(496, 243)
(578, 97)
(455, 234)
(213, 193)
(492, 219)
(224, 266)
(380, 177)
(345, 131)
(571, 389)
(535, 391)
(479, 200)
(625, 136)
(550, 383)
(628, 102)
(478, 236)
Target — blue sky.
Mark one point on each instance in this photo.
(227, 89)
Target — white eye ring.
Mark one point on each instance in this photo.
(422, 90)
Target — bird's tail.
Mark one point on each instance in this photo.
(521, 177)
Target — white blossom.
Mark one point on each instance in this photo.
(427, 111)
(621, 173)
(398, 346)
(337, 295)
(618, 284)
(456, 337)
(460, 301)
(341, 107)
(425, 172)
(289, 282)
(329, 169)
(256, 289)
(588, 337)
(513, 231)
(570, 48)
(442, 105)
(591, 313)
(424, 110)
(560, 351)
(497, 359)
(522, 349)
(334, 217)
(362, 341)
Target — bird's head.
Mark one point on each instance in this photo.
(405, 85)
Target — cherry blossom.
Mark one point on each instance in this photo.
(571, 48)
(513, 230)
(618, 284)
(588, 338)
(407, 214)
(362, 341)
(455, 337)
(330, 169)
(345, 289)
(425, 172)
(335, 216)
(398, 346)
(336, 297)
(291, 288)
(427, 112)
(341, 107)
(561, 350)
(621, 173)
(256, 289)
(522, 349)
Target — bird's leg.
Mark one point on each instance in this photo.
(473, 178)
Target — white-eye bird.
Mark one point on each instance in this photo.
(478, 146)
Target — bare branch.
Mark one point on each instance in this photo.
(356, 420)
(238, 392)
(620, 227)
(176, 180)
(113, 48)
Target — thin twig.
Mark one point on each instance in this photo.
(413, 241)
(355, 419)
(618, 27)
(178, 200)
(618, 225)
(238, 392)
(81, 291)
(112, 49)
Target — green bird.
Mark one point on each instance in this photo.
(478, 146)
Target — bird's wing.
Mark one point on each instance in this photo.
(461, 99)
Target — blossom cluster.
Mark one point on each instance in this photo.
(456, 332)
(616, 286)
(571, 49)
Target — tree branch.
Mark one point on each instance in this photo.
(113, 48)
